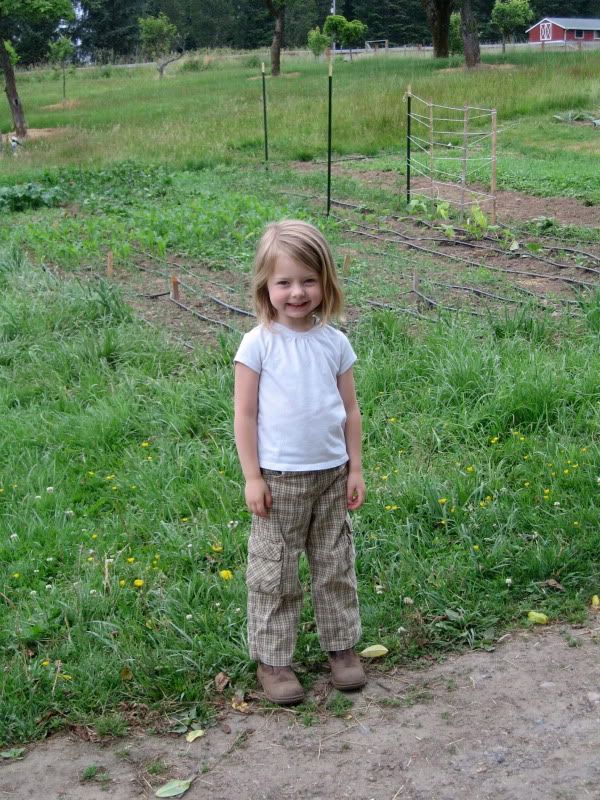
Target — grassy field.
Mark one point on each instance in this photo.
(123, 533)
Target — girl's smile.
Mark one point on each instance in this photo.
(295, 293)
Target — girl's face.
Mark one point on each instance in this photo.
(295, 293)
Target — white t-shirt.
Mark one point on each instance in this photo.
(301, 415)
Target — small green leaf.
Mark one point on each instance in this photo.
(16, 752)
(174, 788)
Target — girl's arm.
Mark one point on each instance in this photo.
(258, 496)
(356, 486)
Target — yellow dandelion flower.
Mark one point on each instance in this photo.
(453, 509)
(526, 483)
(576, 524)
(384, 477)
(16, 574)
(65, 676)
(494, 440)
(121, 583)
(475, 547)
(91, 473)
(546, 491)
(442, 501)
(110, 477)
(45, 662)
(185, 519)
(226, 574)
(149, 458)
(566, 471)
(216, 547)
(90, 558)
(583, 450)
(145, 444)
(94, 535)
(470, 468)
(388, 508)
(526, 458)
(157, 557)
(138, 583)
(131, 560)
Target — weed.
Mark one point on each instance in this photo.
(111, 725)
(90, 772)
(339, 705)
(157, 767)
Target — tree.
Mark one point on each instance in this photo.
(108, 28)
(317, 42)
(158, 36)
(455, 42)
(11, 13)
(277, 11)
(334, 27)
(60, 53)
(438, 17)
(509, 16)
(470, 34)
(353, 32)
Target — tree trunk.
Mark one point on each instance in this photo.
(438, 17)
(470, 35)
(16, 109)
(504, 43)
(277, 43)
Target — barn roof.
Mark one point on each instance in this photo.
(570, 23)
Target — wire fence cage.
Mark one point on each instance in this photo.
(451, 154)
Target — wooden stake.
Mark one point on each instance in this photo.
(493, 186)
(109, 264)
(174, 288)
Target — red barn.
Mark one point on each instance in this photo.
(560, 30)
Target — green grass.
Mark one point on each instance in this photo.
(481, 457)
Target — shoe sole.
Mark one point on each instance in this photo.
(288, 701)
(343, 687)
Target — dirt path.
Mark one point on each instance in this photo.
(519, 723)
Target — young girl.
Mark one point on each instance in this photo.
(298, 436)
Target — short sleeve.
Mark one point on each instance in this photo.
(250, 351)
(347, 355)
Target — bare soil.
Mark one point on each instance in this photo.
(519, 723)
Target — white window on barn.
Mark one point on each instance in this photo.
(596, 34)
(579, 34)
(546, 32)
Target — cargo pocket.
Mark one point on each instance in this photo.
(264, 565)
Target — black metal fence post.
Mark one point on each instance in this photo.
(329, 122)
(264, 88)
(408, 135)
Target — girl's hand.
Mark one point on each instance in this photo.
(355, 490)
(258, 497)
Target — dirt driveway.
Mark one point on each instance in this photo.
(519, 723)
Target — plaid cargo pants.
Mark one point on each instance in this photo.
(309, 513)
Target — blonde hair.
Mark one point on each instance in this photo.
(307, 245)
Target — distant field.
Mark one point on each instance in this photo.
(213, 115)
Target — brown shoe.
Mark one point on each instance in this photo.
(280, 684)
(346, 670)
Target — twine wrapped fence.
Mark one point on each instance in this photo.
(448, 147)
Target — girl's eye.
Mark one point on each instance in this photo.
(281, 283)
(310, 282)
